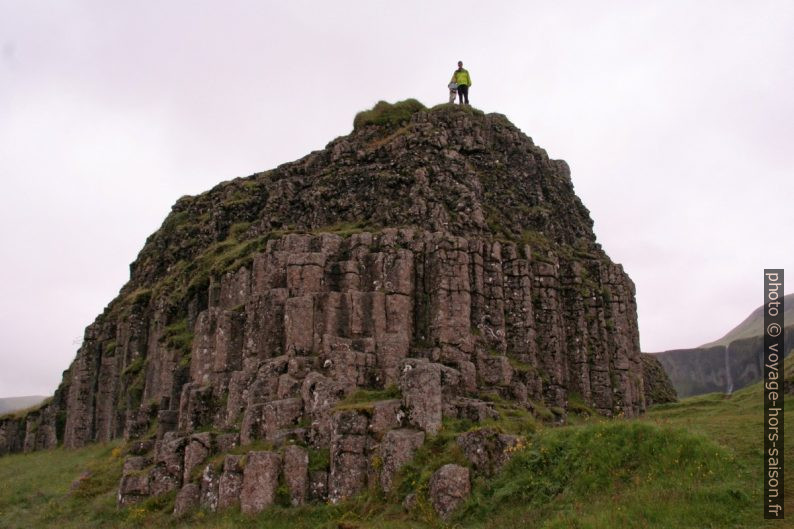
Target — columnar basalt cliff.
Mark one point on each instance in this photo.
(658, 386)
(421, 267)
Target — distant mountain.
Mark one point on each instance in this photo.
(753, 325)
(730, 363)
(12, 404)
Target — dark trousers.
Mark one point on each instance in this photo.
(463, 92)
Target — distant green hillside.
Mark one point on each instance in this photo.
(12, 404)
(730, 363)
(753, 325)
(693, 464)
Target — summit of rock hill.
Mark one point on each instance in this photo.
(450, 168)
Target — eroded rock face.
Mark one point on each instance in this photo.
(486, 449)
(134, 487)
(231, 482)
(187, 499)
(198, 448)
(397, 449)
(658, 387)
(296, 473)
(210, 489)
(260, 480)
(443, 261)
(318, 486)
(350, 446)
(421, 389)
(168, 472)
(449, 487)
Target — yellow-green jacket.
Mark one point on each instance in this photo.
(461, 76)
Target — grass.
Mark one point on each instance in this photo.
(364, 399)
(613, 474)
(345, 229)
(692, 464)
(41, 495)
(460, 108)
(178, 338)
(385, 114)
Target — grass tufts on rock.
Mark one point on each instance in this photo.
(385, 114)
(364, 399)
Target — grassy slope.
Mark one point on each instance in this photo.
(753, 325)
(692, 464)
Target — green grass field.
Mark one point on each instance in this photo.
(695, 464)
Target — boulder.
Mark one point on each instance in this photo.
(187, 499)
(141, 447)
(319, 394)
(135, 464)
(448, 488)
(197, 450)
(396, 449)
(210, 484)
(494, 370)
(486, 449)
(420, 384)
(349, 462)
(318, 486)
(132, 489)
(260, 480)
(386, 415)
(231, 482)
(296, 473)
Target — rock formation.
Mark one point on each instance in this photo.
(658, 387)
(449, 487)
(427, 260)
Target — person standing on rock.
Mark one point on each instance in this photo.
(462, 78)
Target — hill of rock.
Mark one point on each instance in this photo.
(332, 313)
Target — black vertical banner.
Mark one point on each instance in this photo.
(773, 394)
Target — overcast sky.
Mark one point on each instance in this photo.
(677, 119)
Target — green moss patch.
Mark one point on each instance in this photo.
(385, 114)
(364, 399)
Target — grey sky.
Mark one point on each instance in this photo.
(676, 118)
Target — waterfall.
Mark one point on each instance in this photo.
(728, 378)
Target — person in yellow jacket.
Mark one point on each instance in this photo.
(462, 78)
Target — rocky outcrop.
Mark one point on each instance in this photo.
(486, 449)
(658, 387)
(350, 455)
(439, 262)
(421, 389)
(187, 499)
(231, 482)
(260, 480)
(449, 487)
(296, 473)
(397, 449)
